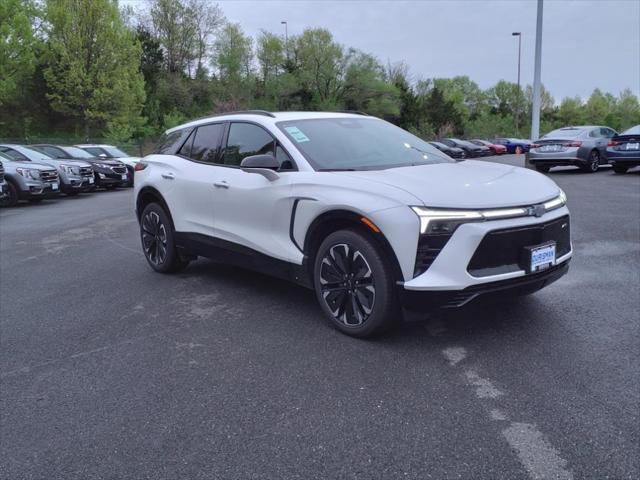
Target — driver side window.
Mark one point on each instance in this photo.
(245, 140)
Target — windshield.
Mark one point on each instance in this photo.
(632, 131)
(115, 152)
(34, 155)
(564, 133)
(358, 144)
(77, 152)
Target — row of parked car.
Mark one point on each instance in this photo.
(36, 172)
(587, 147)
(457, 148)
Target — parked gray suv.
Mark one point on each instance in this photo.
(583, 146)
(29, 181)
(75, 175)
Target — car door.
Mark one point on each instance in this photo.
(251, 210)
(188, 177)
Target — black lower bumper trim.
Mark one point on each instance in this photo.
(421, 301)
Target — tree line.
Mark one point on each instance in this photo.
(88, 68)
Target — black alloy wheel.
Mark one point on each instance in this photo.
(154, 238)
(347, 284)
(354, 284)
(157, 238)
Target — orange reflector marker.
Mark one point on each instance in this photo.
(370, 224)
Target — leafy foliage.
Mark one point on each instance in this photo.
(72, 67)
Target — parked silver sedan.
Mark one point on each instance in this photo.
(582, 146)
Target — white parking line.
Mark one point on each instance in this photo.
(538, 457)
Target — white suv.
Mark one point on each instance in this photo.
(369, 216)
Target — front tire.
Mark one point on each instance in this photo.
(12, 198)
(620, 168)
(354, 284)
(158, 240)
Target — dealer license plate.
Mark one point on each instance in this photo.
(550, 148)
(633, 146)
(91, 180)
(543, 257)
(124, 176)
(54, 186)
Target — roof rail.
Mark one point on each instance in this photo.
(244, 112)
(354, 112)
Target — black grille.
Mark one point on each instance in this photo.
(48, 175)
(429, 246)
(119, 170)
(502, 251)
(1, 172)
(86, 171)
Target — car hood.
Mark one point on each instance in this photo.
(10, 166)
(468, 184)
(61, 161)
(105, 161)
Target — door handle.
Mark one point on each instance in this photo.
(221, 184)
(168, 176)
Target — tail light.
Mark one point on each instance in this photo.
(574, 143)
(613, 143)
(535, 145)
(140, 166)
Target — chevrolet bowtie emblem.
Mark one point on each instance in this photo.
(536, 210)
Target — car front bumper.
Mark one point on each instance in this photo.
(106, 177)
(451, 271)
(78, 184)
(39, 190)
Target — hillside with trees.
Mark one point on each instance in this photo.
(89, 69)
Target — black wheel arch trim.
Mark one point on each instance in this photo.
(336, 220)
(150, 191)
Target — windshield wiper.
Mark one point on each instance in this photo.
(336, 170)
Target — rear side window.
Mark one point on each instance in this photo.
(245, 140)
(206, 143)
(170, 143)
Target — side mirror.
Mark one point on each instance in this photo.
(265, 165)
(103, 155)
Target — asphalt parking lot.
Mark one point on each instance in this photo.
(109, 370)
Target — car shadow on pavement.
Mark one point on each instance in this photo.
(264, 293)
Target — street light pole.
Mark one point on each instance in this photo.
(286, 37)
(535, 110)
(517, 119)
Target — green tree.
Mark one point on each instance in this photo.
(626, 112)
(233, 57)
(18, 46)
(93, 65)
(366, 87)
(598, 106)
(319, 68)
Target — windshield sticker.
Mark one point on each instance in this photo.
(297, 135)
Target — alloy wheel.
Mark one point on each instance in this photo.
(595, 161)
(154, 238)
(347, 285)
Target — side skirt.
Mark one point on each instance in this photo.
(234, 254)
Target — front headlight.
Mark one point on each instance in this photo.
(70, 169)
(437, 221)
(29, 173)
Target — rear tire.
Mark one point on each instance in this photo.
(593, 164)
(158, 240)
(543, 168)
(620, 168)
(354, 284)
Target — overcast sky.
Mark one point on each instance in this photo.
(586, 44)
